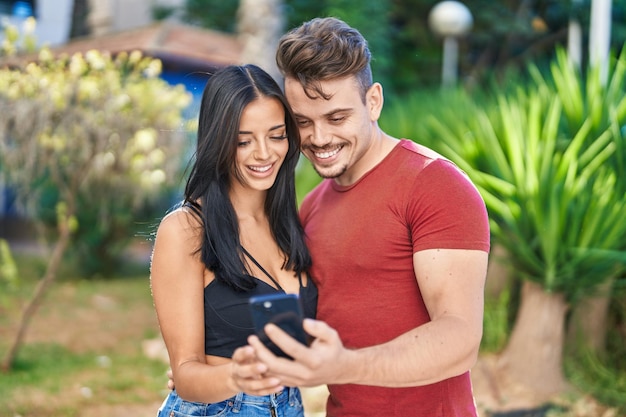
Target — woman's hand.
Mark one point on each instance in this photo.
(249, 375)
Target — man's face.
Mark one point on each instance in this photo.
(336, 133)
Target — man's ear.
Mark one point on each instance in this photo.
(374, 100)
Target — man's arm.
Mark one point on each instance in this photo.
(452, 284)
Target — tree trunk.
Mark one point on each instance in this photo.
(533, 355)
(260, 24)
(587, 326)
(499, 272)
(38, 295)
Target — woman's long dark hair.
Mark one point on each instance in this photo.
(225, 96)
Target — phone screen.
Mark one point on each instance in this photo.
(283, 310)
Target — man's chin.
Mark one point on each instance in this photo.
(330, 172)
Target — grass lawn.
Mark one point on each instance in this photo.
(83, 349)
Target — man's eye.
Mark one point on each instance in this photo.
(303, 123)
(337, 119)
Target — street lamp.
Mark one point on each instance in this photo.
(451, 20)
(600, 37)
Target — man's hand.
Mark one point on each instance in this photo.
(247, 374)
(324, 362)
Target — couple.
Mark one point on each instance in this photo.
(394, 241)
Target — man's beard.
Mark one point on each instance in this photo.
(331, 175)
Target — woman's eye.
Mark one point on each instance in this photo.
(279, 137)
(242, 143)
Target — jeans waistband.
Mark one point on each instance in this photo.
(289, 394)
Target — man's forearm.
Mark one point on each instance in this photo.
(425, 355)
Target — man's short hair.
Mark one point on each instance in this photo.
(324, 49)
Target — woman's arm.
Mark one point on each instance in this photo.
(178, 278)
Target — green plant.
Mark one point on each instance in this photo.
(306, 178)
(17, 40)
(548, 158)
(496, 322)
(599, 377)
(8, 268)
(553, 205)
(103, 131)
(85, 355)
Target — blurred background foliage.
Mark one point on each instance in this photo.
(105, 132)
(506, 34)
(543, 140)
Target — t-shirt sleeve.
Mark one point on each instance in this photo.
(446, 211)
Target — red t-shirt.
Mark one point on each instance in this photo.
(362, 239)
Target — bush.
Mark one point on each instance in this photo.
(104, 134)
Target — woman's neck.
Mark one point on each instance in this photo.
(249, 204)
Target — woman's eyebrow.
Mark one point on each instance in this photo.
(246, 132)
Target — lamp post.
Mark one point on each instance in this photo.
(600, 36)
(451, 20)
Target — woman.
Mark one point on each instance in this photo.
(235, 235)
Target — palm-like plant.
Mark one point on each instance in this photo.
(549, 162)
(602, 106)
(552, 201)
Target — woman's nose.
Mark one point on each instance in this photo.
(262, 150)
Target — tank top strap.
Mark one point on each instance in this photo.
(261, 268)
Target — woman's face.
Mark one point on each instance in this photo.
(262, 143)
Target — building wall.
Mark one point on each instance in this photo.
(117, 15)
(54, 18)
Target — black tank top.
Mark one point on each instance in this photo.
(227, 321)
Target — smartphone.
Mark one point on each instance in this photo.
(283, 310)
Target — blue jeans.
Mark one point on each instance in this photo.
(287, 403)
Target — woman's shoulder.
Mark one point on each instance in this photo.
(181, 223)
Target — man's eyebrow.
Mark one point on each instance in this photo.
(246, 132)
(335, 111)
(330, 113)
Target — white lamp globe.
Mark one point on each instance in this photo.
(450, 18)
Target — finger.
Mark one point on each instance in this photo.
(262, 353)
(287, 371)
(257, 383)
(249, 379)
(318, 329)
(275, 365)
(170, 379)
(243, 355)
(254, 370)
(284, 341)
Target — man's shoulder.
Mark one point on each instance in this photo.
(421, 150)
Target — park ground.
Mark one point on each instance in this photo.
(112, 324)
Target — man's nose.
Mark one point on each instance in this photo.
(320, 137)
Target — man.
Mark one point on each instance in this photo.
(399, 239)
